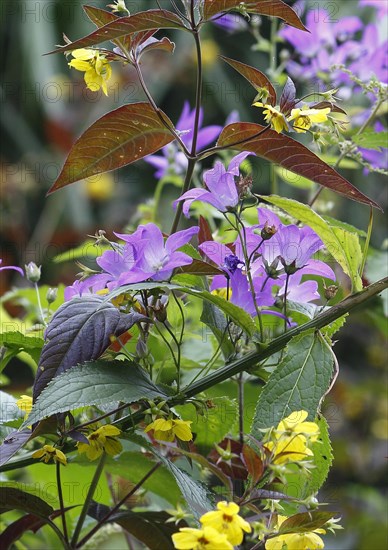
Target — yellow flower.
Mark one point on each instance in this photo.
(273, 116)
(296, 541)
(200, 539)
(25, 404)
(101, 440)
(95, 66)
(48, 452)
(304, 118)
(227, 521)
(291, 438)
(167, 430)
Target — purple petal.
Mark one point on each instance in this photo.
(207, 135)
(317, 267)
(180, 238)
(234, 165)
(215, 251)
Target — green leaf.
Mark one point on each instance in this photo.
(88, 249)
(343, 225)
(96, 383)
(305, 522)
(213, 318)
(120, 137)
(123, 26)
(255, 77)
(298, 383)
(341, 244)
(195, 493)
(16, 339)
(371, 140)
(215, 423)
(15, 499)
(323, 459)
(273, 8)
(290, 154)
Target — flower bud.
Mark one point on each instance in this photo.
(51, 295)
(33, 272)
(141, 349)
(244, 186)
(268, 231)
(330, 291)
(160, 311)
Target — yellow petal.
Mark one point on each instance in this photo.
(108, 430)
(112, 447)
(182, 430)
(80, 65)
(84, 54)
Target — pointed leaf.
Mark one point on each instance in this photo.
(255, 77)
(343, 245)
(164, 44)
(120, 137)
(304, 522)
(253, 463)
(371, 140)
(216, 321)
(12, 443)
(323, 459)
(292, 155)
(148, 527)
(287, 99)
(273, 8)
(99, 16)
(298, 382)
(15, 499)
(79, 331)
(112, 381)
(123, 26)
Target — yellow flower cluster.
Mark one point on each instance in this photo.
(295, 541)
(48, 452)
(221, 530)
(95, 66)
(302, 119)
(25, 404)
(169, 429)
(101, 440)
(289, 442)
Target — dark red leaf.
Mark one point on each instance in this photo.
(198, 267)
(12, 498)
(255, 77)
(204, 233)
(98, 16)
(142, 21)
(253, 463)
(120, 137)
(273, 8)
(292, 155)
(164, 44)
(287, 99)
(305, 521)
(234, 466)
(324, 104)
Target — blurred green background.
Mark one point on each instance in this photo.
(45, 107)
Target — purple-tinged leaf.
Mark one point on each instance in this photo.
(164, 44)
(305, 522)
(288, 97)
(255, 77)
(325, 104)
(292, 155)
(79, 331)
(98, 16)
(148, 527)
(272, 8)
(253, 463)
(12, 443)
(29, 522)
(123, 26)
(120, 137)
(12, 498)
(198, 267)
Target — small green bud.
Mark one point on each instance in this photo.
(51, 295)
(33, 272)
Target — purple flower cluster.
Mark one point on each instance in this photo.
(277, 253)
(145, 256)
(360, 48)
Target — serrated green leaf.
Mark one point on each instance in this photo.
(214, 424)
(95, 383)
(21, 341)
(371, 140)
(298, 383)
(347, 226)
(323, 459)
(342, 245)
(334, 327)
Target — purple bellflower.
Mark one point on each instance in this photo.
(144, 256)
(171, 155)
(221, 189)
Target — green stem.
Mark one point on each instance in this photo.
(117, 506)
(39, 304)
(367, 242)
(61, 503)
(252, 359)
(89, 497)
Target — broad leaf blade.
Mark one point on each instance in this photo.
(287, 99)
(371, 140)
(255, 77)
(97, 383)
(343, 245)
(15, 499)
(305, 522)
(98, 16)
(298, 383)
(79, 331)
(120, 137)
(273, 8)
(323, 459)
(148, 527)
(290, 154)
(12, 443)
(123, 26)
